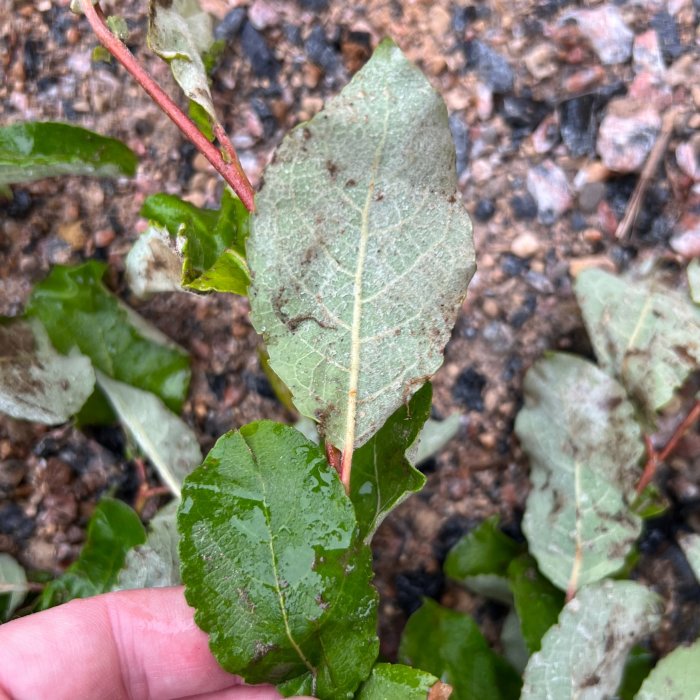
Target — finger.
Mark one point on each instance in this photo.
(118, 646)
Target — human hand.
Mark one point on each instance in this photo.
(127, 645)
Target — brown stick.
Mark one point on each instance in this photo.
(654, 458)
(647, 174)
(229, 167)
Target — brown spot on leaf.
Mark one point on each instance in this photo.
(332, 169)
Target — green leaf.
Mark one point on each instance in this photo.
(645, 335)
(693, 272)
(537, 602)
(36, 382)
(433, 438)
(117, 25)
(13, 586)
(484, 550)
(676, 676)
(268, 534)
(583, 656)
(584, 445)
(78, 311)
(513, 643)
(639, 664)
(199, 116)
(213, 242)
(361, 250)
(382, 477)
(167, 441)
(180, 33)
(155, 563)
(397, 682)
(35, 150)
(449, 645)
(690, 544)
(113, 530)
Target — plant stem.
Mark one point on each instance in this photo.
(229, 167)
(654, 458)
(346, 468)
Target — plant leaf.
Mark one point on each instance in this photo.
(78, 311)
(644, 334)
(690, 544)
(153, 264)
(361, 250)
(484, 550)
(639, 664)
(382, 477)
(268, 534)
(398, 682)
(676, 676)
(35, 150)
(113, 530)
(433, 438)
(583, 656)
(513, 643)
(449, 645)
(36, 382)
(167, 441)
(584, 445)
(212, 242)
(13, 586)
(180, 33)
(693, 272)
(537, 602)
(155, 563)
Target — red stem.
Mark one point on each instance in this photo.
(229, 168)
(654, 458)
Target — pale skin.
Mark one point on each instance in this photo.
(131, 645)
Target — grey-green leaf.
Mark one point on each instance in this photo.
(153, 264)
(675, 677)
(690, 544)
(35, 150)
(399, 682)
(433, 438)
(693, 272)
(155, 563)
(167, 441)
(579, 431)
(382, 477)
(269, 536)
(180, 33)
(644, 334)
(36, 382)
(13, 586)
(583, 655)
(361, 250)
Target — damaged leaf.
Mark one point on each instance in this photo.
(293, 577)
(583, 656)
(36, 382)
(362, 250)
(382, 476)
(449, 645)
(399, 682)
(113, 530)
(584, 445)
(167, 441)
(78, 311)
(690, 544)
(153, 264)
(675, 677)
(645, 335)
(13, 586)
(694, 280)
(35, 150)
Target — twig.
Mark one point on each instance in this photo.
(647, 174)
(654, 458)
(346, 467)
(229, 167)
(146, 492)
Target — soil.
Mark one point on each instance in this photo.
(523, 86)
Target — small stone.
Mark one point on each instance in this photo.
(493, 68)
(73, 234)
(669, 37)
(600, 262)
(499, 336)
(686, 240)
(230, 25)
(460, 136)
(320, 51)
(201, 164)
(546, 136)
(549, 187)
(104, 237)
(577, 125)
(525, 245)
(263, 15)
(356, 48)
(590, 196)
(485, 209)
(688, 157)
(583, 80)
(490, 308)
(512, 265)
(646, 53)
(481, 170)
(484, 101)
(540, 60)
(608, 34)
(592, 235)
(262, 59)
(468, 389)
(523, 206)
(439, 20)
(627, 134)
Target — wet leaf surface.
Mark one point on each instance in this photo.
(579, 431)
(36, 382)
(35, 150)
(361, 250)
(269, 535)
(583, 656)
